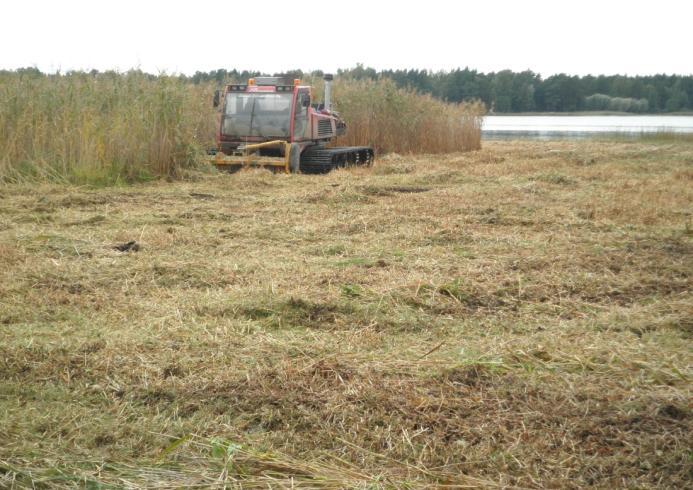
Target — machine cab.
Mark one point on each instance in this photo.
(269, 109)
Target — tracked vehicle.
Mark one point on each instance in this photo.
(271, 122)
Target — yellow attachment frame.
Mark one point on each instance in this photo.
(249, 157)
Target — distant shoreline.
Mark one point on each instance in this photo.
(591, 113)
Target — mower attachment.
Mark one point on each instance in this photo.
(248, 156)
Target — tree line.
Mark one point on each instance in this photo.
(509, 91)
(526, 91)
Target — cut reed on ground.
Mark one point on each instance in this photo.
(515, 317)
(110, 127)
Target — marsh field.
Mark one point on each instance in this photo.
(518, 316)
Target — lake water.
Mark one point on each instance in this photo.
(548, 127)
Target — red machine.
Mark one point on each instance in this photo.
(270, 122)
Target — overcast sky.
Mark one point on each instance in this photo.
(576, 37)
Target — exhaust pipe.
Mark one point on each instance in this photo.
(328, 91)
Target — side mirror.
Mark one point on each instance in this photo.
(305, 102)
(217, 97)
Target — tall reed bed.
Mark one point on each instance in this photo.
(392, 119)
(102, 128)
(109, 127)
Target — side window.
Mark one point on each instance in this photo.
(301, 114)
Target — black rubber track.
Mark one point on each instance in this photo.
(323, 160)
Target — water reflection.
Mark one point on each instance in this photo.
(548, 127)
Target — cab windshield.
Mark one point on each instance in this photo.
(257, 114)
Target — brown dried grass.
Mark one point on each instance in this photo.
(517, 316)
